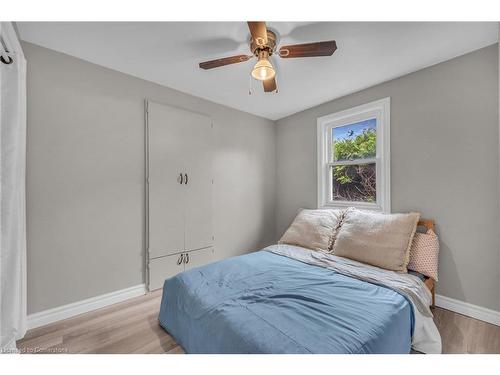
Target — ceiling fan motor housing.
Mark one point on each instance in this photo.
(256, 46)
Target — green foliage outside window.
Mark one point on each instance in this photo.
(355, 182)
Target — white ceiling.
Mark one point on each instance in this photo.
(168, 53)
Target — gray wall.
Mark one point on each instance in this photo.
(85, 189)
(444, 163)
(85, 178)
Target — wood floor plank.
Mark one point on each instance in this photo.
(93, 341)
(132, 327)
(96, 316)
(79, 327)
(162, 344)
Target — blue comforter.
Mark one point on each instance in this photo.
(267, 303)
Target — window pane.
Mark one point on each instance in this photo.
(355, 183)
(355, 141)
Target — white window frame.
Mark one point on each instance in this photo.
(380, 110)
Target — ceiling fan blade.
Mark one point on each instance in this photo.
(259, 32)
(308, 49)
(270, 85)
(224, 61)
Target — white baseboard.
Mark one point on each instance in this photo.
(465, 308)
(67, 311)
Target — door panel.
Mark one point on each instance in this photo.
(179, 189)
(199, 258)
(161, 269)
(198, 212)
(167, 134)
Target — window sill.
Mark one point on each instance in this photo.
(360, 205)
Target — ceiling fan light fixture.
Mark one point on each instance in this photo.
(263, 69)
(262, 43)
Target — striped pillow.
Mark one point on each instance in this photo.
(424, 254)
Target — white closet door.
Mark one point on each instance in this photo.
(168, 132)
(198, 158)
(163, 268)
(199, 258)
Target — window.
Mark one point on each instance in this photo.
(353, 157)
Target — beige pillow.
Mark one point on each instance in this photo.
(424, 254)
(382, 240)
(313, 229)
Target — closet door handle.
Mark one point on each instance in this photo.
(186, 178)
(187, 258)
(180, 179)
(180, 260)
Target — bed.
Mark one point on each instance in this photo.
(288, 299)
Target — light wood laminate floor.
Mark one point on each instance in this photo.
(132, 327)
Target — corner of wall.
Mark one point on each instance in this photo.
(498, 273)
(275, 208)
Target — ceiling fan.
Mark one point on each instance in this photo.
(262, 46)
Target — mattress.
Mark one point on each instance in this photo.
(266, 303)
